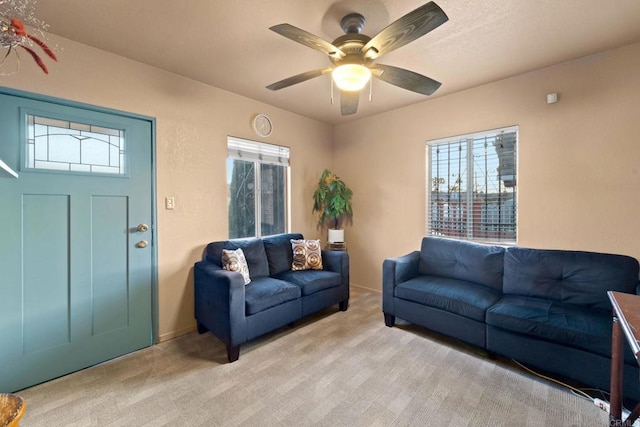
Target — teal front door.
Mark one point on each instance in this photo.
(76, 236)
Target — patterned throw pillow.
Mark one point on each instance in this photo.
(235, 261)
(306, 255)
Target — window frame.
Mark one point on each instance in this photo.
(77, 120)
(470, 179)
(259, 153)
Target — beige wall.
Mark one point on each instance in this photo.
(578, 182)
(578, 172)
(193, 121)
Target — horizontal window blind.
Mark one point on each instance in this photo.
(471, 186)
(244, 149)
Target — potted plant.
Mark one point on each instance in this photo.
(332, 201)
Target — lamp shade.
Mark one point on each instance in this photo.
(351, 77)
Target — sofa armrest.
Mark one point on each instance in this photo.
(394, 271)
(219, 298)
(400, 269)
(638, 289)
(333, 260)
(338, 262)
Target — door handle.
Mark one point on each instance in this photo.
(142, 244)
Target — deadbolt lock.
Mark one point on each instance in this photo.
(142, 228)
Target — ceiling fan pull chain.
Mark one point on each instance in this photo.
(370, 90)
(331, 91)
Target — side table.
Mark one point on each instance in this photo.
(626, 322)
(336, 247)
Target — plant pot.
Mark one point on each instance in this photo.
(336, 236)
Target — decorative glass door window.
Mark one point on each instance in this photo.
(61, 145)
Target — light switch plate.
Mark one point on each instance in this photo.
(169, 203)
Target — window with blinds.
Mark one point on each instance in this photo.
(244, 149)
(471, 186)
(257, 183)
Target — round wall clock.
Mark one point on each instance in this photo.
(262, 125)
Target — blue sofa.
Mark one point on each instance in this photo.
(277, 296)
(547, 309)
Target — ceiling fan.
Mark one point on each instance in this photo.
(354, 53)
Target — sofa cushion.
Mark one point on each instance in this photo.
(279, 252)
(253, 250)
(452, 295)
(233, 260)
(266, 292)
(459, 259)
(307, 254)
(312, 281)
(566, 324)
(574, 277)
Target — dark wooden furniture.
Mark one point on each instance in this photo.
(626, 321)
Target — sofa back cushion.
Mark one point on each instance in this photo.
(581, 278)
(253, 250)
(462, 260)
(279, 251)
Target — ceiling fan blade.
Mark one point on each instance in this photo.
(299, 78)
(307, 39)
(411, 26)
(405, 79)
(349, 102)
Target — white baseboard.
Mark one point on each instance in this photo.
(175, 334)
(357, 287)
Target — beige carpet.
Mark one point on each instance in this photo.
(337, 369)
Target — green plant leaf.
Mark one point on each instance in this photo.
(332, 200)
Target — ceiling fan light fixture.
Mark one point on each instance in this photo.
(351, 77)
(353, 54)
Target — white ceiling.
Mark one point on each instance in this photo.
(227, 43)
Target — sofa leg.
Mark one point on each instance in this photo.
(389, 320)
(233, 353)
(201, 328)
(343, 305)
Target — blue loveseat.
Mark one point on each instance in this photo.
(545, 308)
(277, 296)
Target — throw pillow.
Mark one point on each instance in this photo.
(235, 261)
(306, 255)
